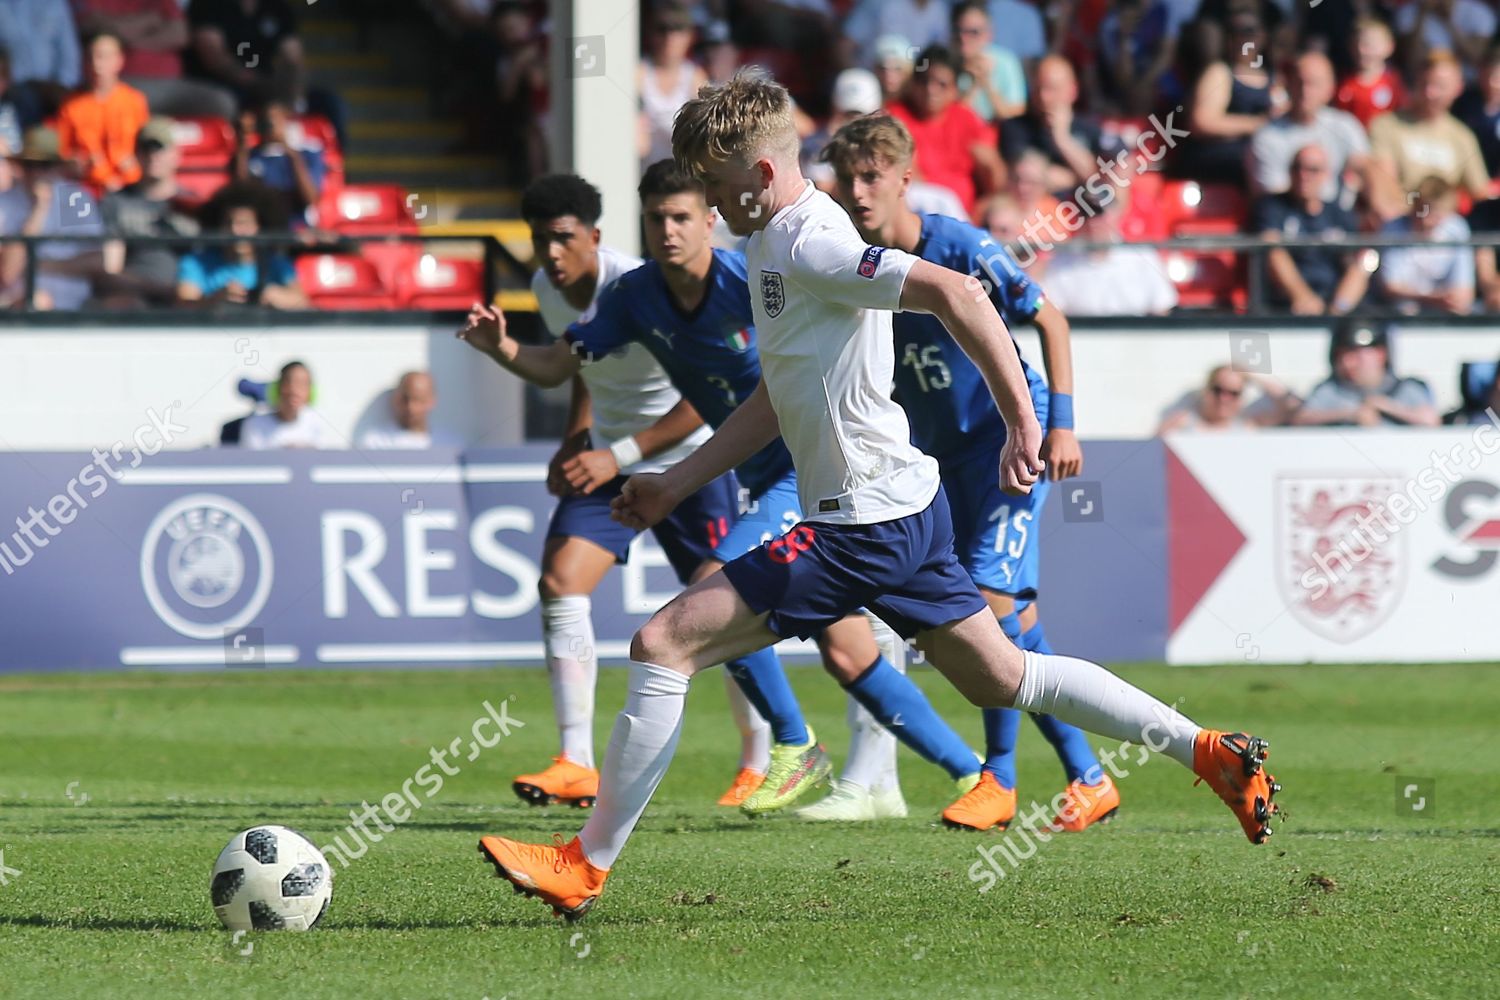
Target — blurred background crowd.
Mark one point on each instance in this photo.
(1334, 159)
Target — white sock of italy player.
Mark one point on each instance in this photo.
(1093, 699)
(640, 748)
(755, 732)
(573, 668)
(872, 747)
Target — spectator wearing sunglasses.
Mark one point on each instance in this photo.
(1220, 404)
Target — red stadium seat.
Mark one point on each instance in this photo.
(1143, 220)
(440, 283)
(1206, 280)
(343, 281)
(367, 209)
(391, 259)
(197, 186)
(203, 143)
(1184, 201)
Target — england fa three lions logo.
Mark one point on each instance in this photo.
(772, 294)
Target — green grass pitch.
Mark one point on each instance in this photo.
(117, 792)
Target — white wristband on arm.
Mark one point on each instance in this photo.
(627, 451)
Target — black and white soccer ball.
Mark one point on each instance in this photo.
(271, 878)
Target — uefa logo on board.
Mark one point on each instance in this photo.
(206, 566)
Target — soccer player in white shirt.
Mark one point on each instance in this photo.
(877, 532)
(626, 418)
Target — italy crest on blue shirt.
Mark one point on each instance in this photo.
(772, 295)
(738, 340)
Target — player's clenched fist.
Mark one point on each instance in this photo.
(1020, 460)
(485, 330)
(644, 500)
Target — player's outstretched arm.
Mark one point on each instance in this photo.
(960, 303)
(646, 499)
(547, 366)
(1060, 450)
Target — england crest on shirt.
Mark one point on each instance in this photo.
(772, 294)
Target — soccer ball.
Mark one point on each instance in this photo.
(271, 878)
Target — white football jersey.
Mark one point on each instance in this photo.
(629, 391)
(823, 299)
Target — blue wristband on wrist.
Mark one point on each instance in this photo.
(1060, 412)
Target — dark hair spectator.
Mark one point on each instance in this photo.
(242, 273)
(955, 149)
(292, 421)
(295, 170)
(252, 47)
(1230, 93)
(155, 36)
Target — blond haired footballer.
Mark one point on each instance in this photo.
(877, 531)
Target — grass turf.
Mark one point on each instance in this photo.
(117, 792)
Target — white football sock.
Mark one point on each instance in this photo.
(1093, 699)
(872, 748)
(640, 748)
(573, 667)
(755, 732)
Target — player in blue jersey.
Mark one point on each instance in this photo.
(690, 308)
(954, 419)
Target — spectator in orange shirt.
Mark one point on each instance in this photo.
(98, 126)
(955, 148)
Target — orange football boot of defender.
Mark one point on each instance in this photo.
(564, 781)
(746, 781)
(1084, 805)
(1231, 763)
(987, 805)
(558, 874)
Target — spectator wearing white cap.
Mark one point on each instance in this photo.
(855, 92)
(893, 65)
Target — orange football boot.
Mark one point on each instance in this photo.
(1231, 764)
(1084, 805)
(985, 805)
(564, 781)
(558, 874)
(746, 781)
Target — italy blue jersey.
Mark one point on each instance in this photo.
(708, 353)
(945, 396)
